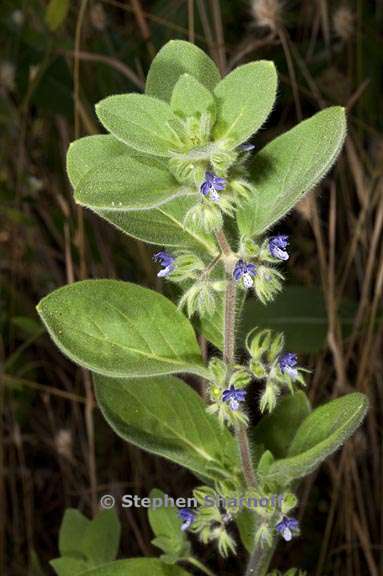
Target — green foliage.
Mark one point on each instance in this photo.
(245, 98)
(300, 313)
(165, 416)
(133, 567)
(319, 435)
(85, 544)
(202, 100)
(142, 122)
(276, 431)
(290, 166)
(166, 526)
(127, 183)
(107, 326)
(174, 59)
(56, 13)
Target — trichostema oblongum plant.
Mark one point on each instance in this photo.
(176, 169)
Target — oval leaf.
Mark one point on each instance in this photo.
(178, 57)
(191, 98)
(320, 434)
(290, 166)
(244, 100)
(166, 417)
(120, 329)
(126, 183)
(144, 123)
(163, 225)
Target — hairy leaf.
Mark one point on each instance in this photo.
(67, 566)
(136, 567)
(120, 329)
(102, 538)
(178, 57)
(144, 123)
(125, 183)
(166, 525)
(244, 98)
(276, 431)
(163, 225)
(291, 165)
(166, 417)
(72, 530)
(191, 98)
(320, 434)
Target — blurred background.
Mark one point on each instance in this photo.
(57, 59)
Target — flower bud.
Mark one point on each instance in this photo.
(267, 283)
(276, 347)
(258, 369)
(240, 378)
(263, 536)
(260, 344)
(204, 216)
(269, 397)
(289, 502)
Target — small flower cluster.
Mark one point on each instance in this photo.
(228, 392)
(261, 275)
(268, 362)
(210, 522)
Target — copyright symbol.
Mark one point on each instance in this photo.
(107, 501)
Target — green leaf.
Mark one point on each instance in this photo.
(127, 183)
(191, 98)
(246, 522)
(69, 566)
(276, 431)
(144, 123)
(120, 329)
(56, 13)
(163, 225)
(244, 98)
(300, 313)
(91, 151)
(166, 525)
(320, 434)
(102, 538)
(291, 165)
(136, 567)
(165, 416)
(178, 57)
(72, 530)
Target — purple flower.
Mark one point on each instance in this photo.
(212, 185)
(166, 261)
(187, 517)
(277, 246)
(287, 363)
(246, 271)
(234, 397)
(286, 527)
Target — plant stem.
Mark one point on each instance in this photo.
(199, 565)
(229, 352)
(259, 561)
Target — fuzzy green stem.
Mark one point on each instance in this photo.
(259, 560)
(229, 352)
(199, 565)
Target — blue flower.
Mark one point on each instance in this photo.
(212, 185)
(286, 527)
(246, 271)
(166, 261)
(287, 363)
(187, 517)
(277, 246)
(234, 397)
